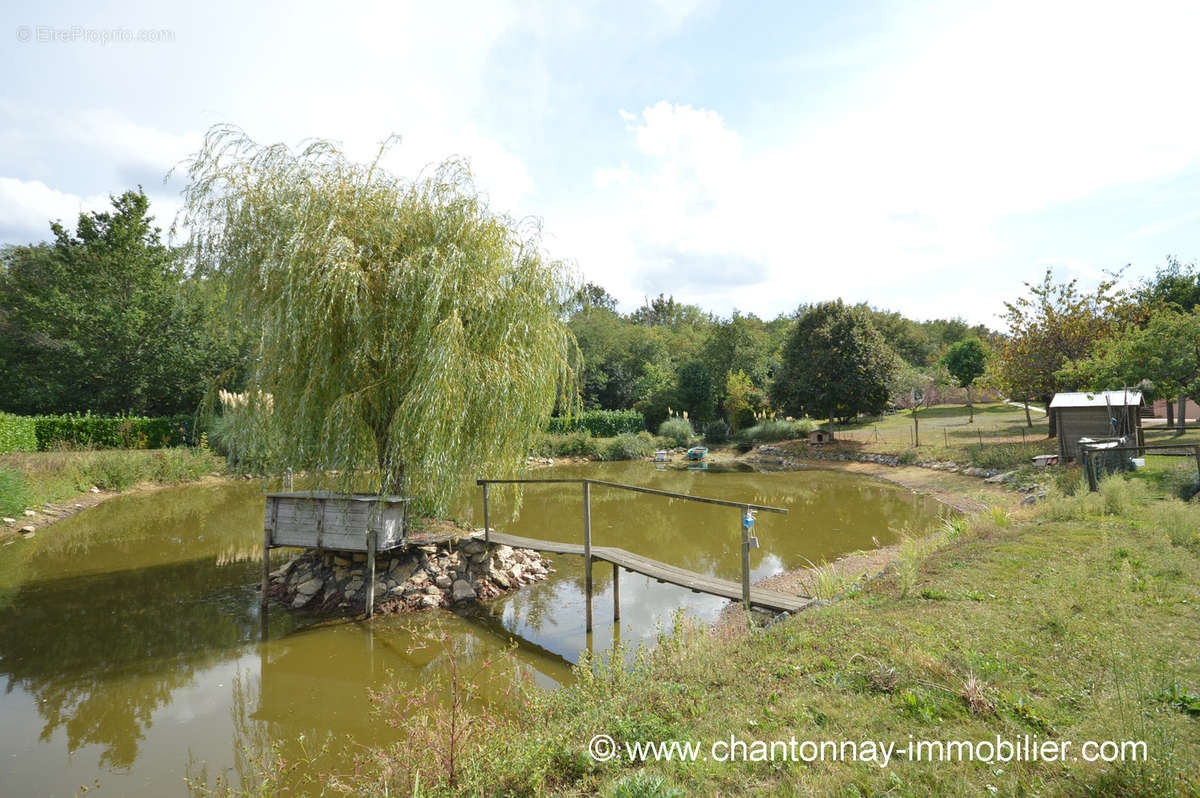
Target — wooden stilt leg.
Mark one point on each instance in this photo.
(370, 574)
(587, 551)
(616, 593)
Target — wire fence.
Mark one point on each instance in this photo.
(948, 436)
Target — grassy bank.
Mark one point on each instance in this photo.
(30, 479)
(1075, 621)
(997, 438)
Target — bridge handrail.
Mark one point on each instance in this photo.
(669, 494)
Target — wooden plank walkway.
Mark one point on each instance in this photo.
(698, 583)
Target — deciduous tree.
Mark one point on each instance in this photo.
(966, 361)
(834, 363)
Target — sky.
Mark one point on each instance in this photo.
(928, 158)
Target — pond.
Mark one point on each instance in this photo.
(131, 641)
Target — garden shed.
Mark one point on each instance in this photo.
(1102, 414)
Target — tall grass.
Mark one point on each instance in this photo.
(1007, 455)
(826, 581)
(56, 475)
(1179, 521)
(14, 495)
(771, 430)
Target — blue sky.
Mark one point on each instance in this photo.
(924, 157)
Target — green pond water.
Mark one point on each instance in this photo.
(132, 647)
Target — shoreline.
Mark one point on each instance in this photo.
(46, 515)
(965, 494)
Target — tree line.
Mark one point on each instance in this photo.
(106, 319)
(109, 319)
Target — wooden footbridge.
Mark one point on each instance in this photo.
(620, 558)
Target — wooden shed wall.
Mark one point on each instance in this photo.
(333, 523)
(1089, 422)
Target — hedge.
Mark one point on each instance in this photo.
(17, 433)
(600, 423)
(116, 432)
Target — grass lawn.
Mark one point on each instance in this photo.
(949, 426)
(1075, 623)
(998, 437)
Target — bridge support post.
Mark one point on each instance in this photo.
(616, 593)
(587, 551)
(370, 574)
(745, 561)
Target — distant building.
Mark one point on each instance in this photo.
(1103, 414)
(1159, 409)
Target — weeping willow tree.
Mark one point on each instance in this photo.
(409, 335)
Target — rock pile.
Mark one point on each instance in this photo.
(416, 578)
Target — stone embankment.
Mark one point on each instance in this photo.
(417, 578)
(776, 456)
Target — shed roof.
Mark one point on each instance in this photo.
(1126, 398)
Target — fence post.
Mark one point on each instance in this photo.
(587, 552)
(487, 524)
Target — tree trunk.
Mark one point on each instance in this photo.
(1182, 414)
(390, 474)
(1028, 420)
(916, 429)
(970, 406)
(831, 412)
(1170, 413)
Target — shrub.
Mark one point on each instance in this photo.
(599, 423)
(14, 495)
(17, 433)
(677, 430)
(116, 432)
(573, 444)
(716, 432)
(773, 430)
(628, 447)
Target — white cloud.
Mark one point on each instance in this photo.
(28, 206)
(1007, 111)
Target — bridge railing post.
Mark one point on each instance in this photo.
(587, 551)
(745, 559)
